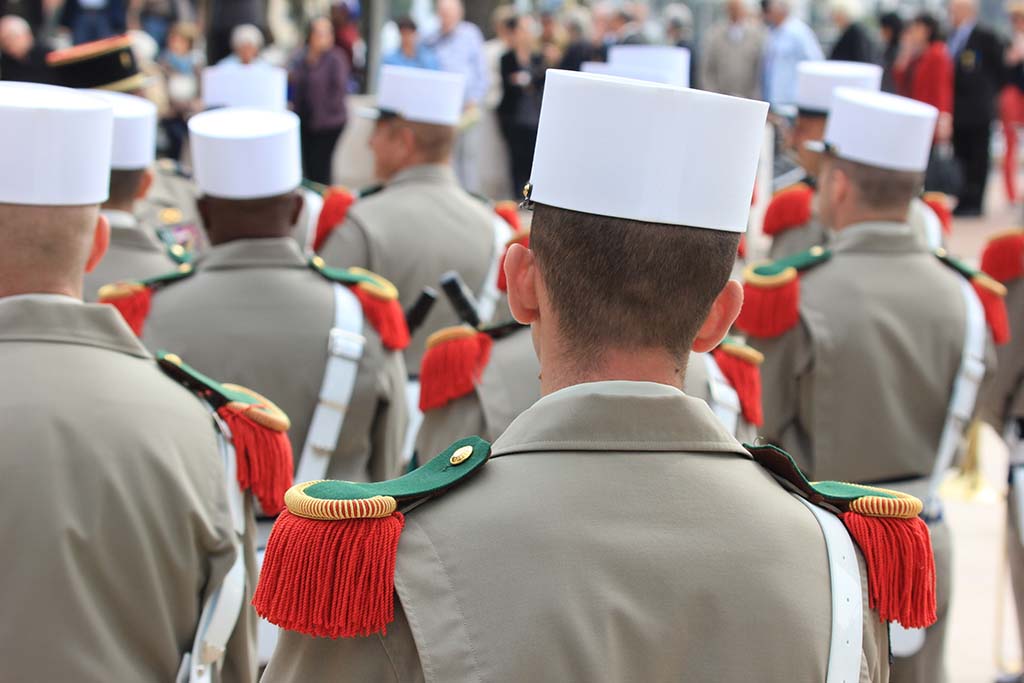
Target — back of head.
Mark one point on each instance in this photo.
(246, 35)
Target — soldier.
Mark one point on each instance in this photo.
(849, 389)
(792, 219)
(621, 532)
(134, 251)
(129, 566)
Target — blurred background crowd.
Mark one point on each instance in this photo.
(965, 57)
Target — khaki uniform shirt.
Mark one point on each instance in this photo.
(618, 534)
(135, 253)
(174, 191)
(254, 313)
(420, 226)
(117, 523)
(1002, 397)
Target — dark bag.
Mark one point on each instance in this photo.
(944, 173)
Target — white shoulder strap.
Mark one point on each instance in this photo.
(487, 301)
(725, 402)
(845, 646)
(415, 421)
(314, 204)
(344, 350)
(932, 226)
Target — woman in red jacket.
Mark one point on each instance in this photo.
(924, 71)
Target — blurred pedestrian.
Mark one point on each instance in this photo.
(626, 28)
(1011, 101)
(345, 20)
(890, 29)
(978, 57)
(924, 70)
(494, 50)
(579, 48)
(155, 17)
(459, 48)
(522, 80)
(33, 11)
(731, 59)
(411, 52)
(854, 44)
(180, 66)
(552, 39)
(21, 58)
(90, 20)
(319, 77)
(679, 32)
(789, 42)
(223, 16)
(246, 45)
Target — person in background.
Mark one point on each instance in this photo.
(625, 27)
(319, 78)
(90, 20)
(221, 19)
(924, 71)
(1011, 101)
(580, 48)
(978, 59)
(35, 12)
(411, 52)
(21, 58)
(731, 57)
(345, 21)
(854, 43)
(679, 32)
(155, 17)
(553, 38)
(522, 81)
(246, 45)
(494, 49)
(890, 30)
(459, 48)
(789, 42)
(180, 66)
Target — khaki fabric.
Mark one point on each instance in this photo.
(254, 313)
(1002, 397)
(117, 523)
(420, 226)
(135, 253)
(618, 534)
(172, 190)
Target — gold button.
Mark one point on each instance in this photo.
(170, 215)
(460, 456)
(318, 262)
(940, 252)
(173, 358)
(817, 250)
(178, 250)
(185, 268)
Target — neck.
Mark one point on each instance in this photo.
(645, 365)
(869, 216)
(42, 285)
(126, 207)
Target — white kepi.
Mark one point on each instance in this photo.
(134, 130)
(878, 129)
(56, 146)
(654, 75)
(419, 95)
(240, 153)
(260, 86)
(815, 81)
(664, 59)
(646, 151)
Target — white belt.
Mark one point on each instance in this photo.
(932, 226)
(314, 204)
(844, 650)
(725, 402)
(487, 301)
(344, 351)
(412, 399)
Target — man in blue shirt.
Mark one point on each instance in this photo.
(790, 41)
(411, 52)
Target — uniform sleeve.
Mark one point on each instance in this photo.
(1004, 377)
(391, 421)
(874, 661)
(442, 426)
(787, 362)
(347, 246)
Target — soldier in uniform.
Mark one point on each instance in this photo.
(123, 527)
(851, 389)
(615, 531)
(134, 251)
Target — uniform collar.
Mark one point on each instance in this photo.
(432, 173)
(45, 318)
(272, 252)
(617, 416)
(125, 231)
(875, 237)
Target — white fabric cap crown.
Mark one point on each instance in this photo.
(881, 130)
(421, 95)
(56, 146)
(134, 130)
(815, 82)
(242, 153)
(648, 152)
(259, 86)
(635, 72)
(673, 62)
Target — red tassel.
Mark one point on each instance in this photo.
(509, 211)
(769, 311)
(387, 318)
(1003, 258)
(264, 457)
(995, 307)
(741, 250)
(745, 377)
(901, 567)
(330, 579)
(939, 203)
(132, 300)
(523, 238)
(337, 201)
(788, 209)
(452, 368)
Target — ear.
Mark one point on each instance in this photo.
(100, 243)
(723, 314)
(298, 204)
(145, 184)
(522, 276)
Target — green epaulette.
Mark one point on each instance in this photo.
(378, 297)
(176, 252)
(370, 190)
(771, 304)
(313, 186)
(134, 298)
(990, 291)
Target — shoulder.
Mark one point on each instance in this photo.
(741, 365)
(345, 534)
(133, 299)
(452, 365)
(1003, 257)
(771, 292)
(991, 293)
(789, 208)
(378, 298)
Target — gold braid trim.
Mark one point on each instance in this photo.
(302, 505)
(264, 413)
(751, 275)
(904, 506)
(120, 290)
(744, 353)
(992, 285)
(449, 334)
(380, 287)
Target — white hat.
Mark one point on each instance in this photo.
(420, 95)
(245, 85)
(635, 72)
(879, 129)
(134, 130)
(245, 153)
(644, 151)
(56, 145)
(665, 58)
(815, 81)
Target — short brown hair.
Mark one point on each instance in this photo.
(881, 188)
(435, 142)
(124, 186)
(626, 284)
